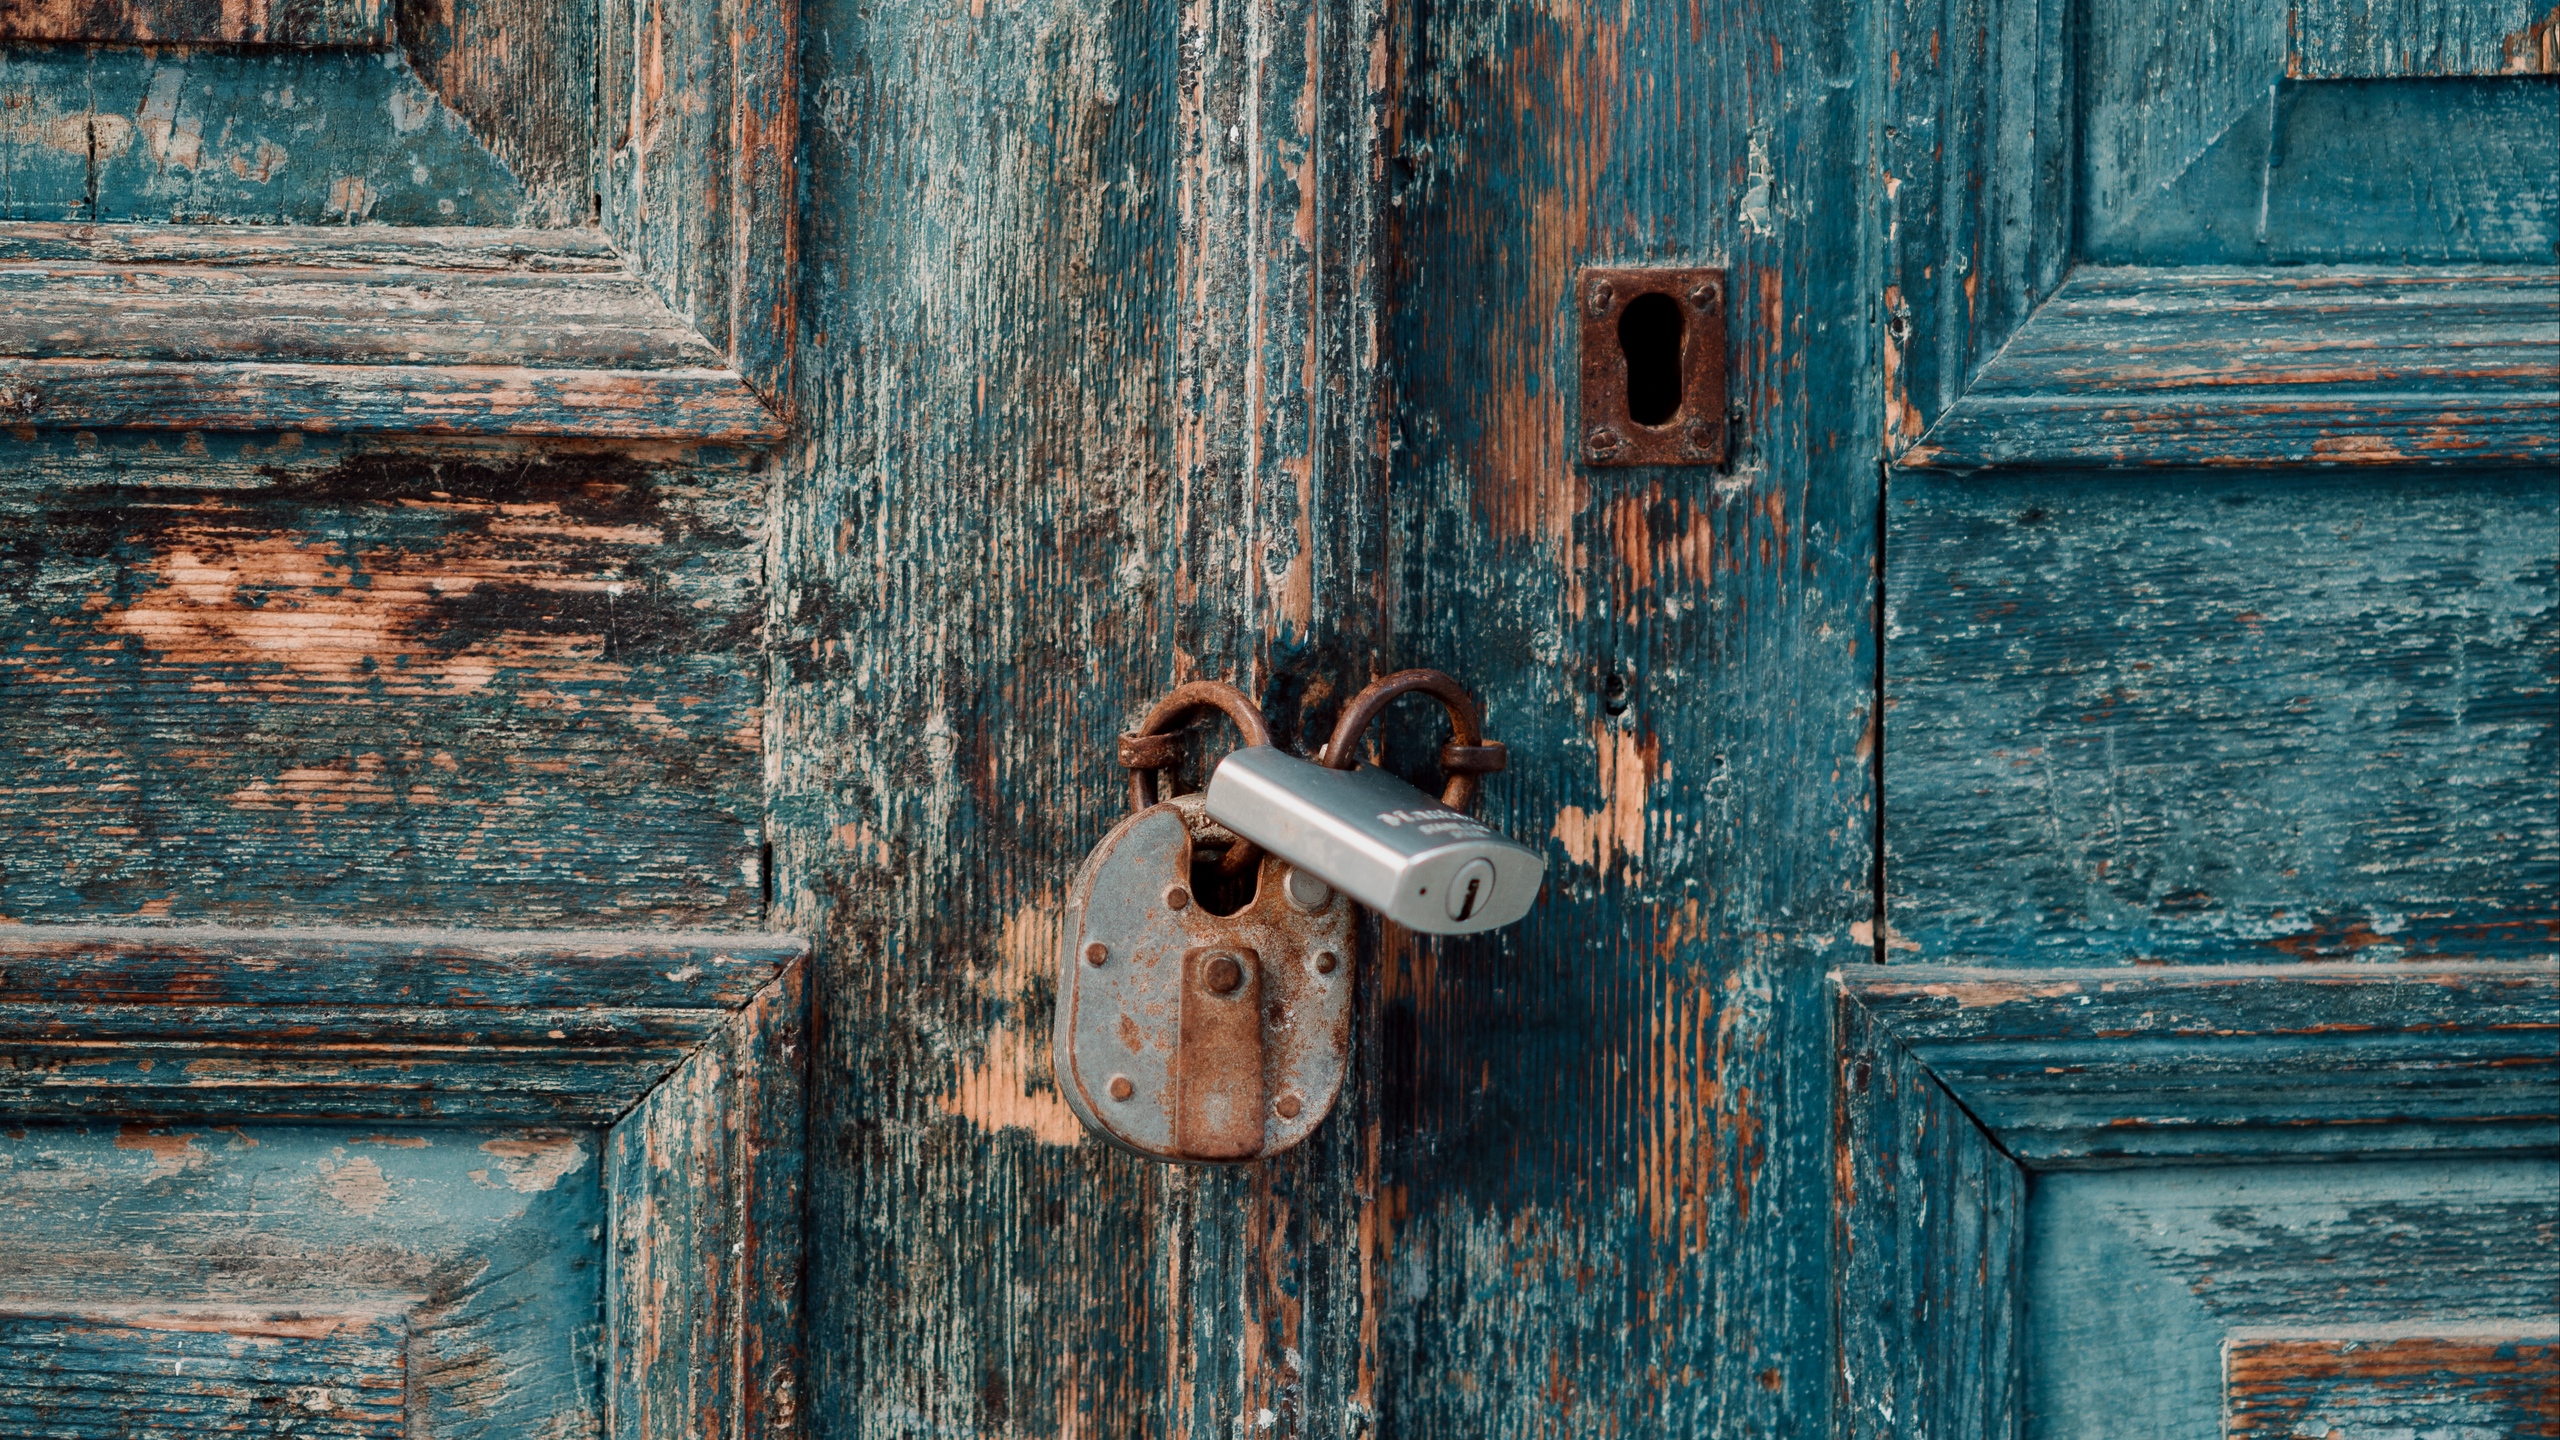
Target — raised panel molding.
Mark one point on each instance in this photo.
(660, 139)
(2006, 347)
(1960, 1088)
(673, 1061)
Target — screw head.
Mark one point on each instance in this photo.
(1289, 1105)
(1121, 1089)
(1702, 434)
(1176, 898)
(1305, 891)
(1603, 295)
(1097, 953)
(1706, 294)
(1602, 442)
(1223, 974)
(1326, 960)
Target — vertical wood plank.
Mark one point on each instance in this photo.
(666, 162)
(1979, 157)
(1602, 1129)
(770, 1106)
(1092, 305)
(671, 1185)
(1931, 1236)
(972, 573)
(523, 73)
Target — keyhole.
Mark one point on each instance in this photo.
(1467, 902)
(1649, 334)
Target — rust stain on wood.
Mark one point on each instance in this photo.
(2369, 1388)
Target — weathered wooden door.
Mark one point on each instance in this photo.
(389, 1041)
(2207, 1088)
(528, 516)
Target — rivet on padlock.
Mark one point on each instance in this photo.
(1420, 862)
(1183, 1034)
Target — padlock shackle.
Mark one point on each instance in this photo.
(1467, 755)
(1151, 746)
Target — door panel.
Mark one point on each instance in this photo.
(2222, 772)
(391, 1281)
(261, 677)
(2224, 718)
(2295, 1300)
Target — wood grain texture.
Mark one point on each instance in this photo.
(1929, 1242)
(2223, 719)
(2163, 79)
(468, 1252)
(525, 1026)
(2295, 179)
(665, 1299)
(2141, 1282)
(410, 331)
(277, 316)
(471, 248)
(83, 1376)
(698, 167)
(2368, 1388)
(1602, 1129)
(1975, 1300)
(2017, 141)
(522, 75)
(263, 678)
(219, 134)
(2075, 1067)
(703, 1268)
(2156, 368)
(1979, 154)
(360, 23)
(1089, 389)
(676, 404)
(2327, 39)
(2175, 128)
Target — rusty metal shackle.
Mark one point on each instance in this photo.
(1467, 755)
(1153, 746)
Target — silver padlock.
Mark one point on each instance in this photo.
(1183, 1034)
(1420, 862)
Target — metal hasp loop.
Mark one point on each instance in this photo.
(1153, 746)
(1467, 755)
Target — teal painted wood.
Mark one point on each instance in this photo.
(2165, 367)
(1089, 400)
(1603, 1130)
(2235, 1062)
(360, 23)
(2242, 132)
(2296, 179)
(2225, 719)
(259, 677)
(409, 329)
(66, 1378)
(672, 1068)
(2165, 1302)
(1974, 1302)
(215, 134)
(1978, 190)
(523, 1027)
(2492, 1383)
(522, 75)
(2016, 146)
(476, 1248)
(1928, 1244)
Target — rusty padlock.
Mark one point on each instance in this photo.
(1183, 1034)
